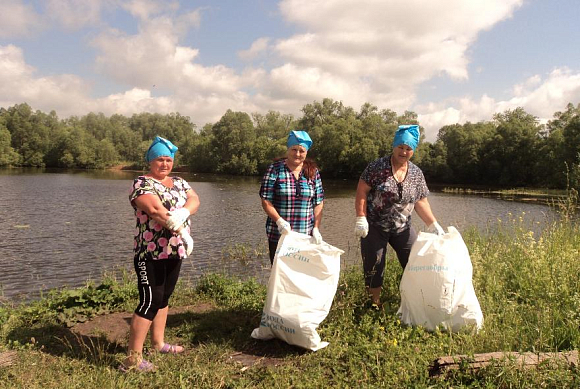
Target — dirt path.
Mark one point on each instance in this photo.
(115, 328)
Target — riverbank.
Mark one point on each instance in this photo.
(528, 288)
(551, 197)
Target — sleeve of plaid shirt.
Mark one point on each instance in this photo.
(318, 190)
(268, 184)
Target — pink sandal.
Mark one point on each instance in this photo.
(142, 367)
(170, 349)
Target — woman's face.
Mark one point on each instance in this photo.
(296, 154)
(402, 153)
(160, 167)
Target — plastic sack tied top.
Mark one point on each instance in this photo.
(301, 288)
(437, 288)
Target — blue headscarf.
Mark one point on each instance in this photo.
(160, 147)
(299, 138)
(407, 134)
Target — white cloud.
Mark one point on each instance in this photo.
(389, 40)
(541, 97)
(153, 57)
(376, 51)
(18, 19)
(144, 9)
(258, 47)
(63, 93)
(188, 20)
(75, 14)
(70, 95)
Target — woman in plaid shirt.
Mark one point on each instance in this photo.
(292, 194)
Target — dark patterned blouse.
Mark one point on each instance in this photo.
(389, 203)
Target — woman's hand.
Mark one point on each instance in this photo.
(361, 227)
(283, 226)
(187, 241)
(316, 235)
(435, 228)
(177, 218)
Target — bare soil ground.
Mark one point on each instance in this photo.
(115, 328)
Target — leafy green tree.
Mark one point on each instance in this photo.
(199, 153)
(8, 157)
(571, 134)
(378, 128)
(516, 147)
(463, 150)
(433, 161)
(105, 155)
(266, 149)
(97, 125)
(273, 125)
(30, 132)
(233, 139)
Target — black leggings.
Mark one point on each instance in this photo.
(156, 281)
(374, 249)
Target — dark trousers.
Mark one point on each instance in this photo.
(156, 281)
(272, 246)
(374, 249)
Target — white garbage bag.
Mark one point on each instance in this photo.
(437, 288)
(301, 288)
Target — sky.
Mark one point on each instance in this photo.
(449, 61)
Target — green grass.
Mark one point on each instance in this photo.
(528, 287)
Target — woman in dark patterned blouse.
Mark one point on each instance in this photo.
(162, 205)
(388, 191)
(292, 194)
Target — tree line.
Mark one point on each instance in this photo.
(512, 149)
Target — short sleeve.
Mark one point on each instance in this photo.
(268, 184)
(422, 189)
(369, 174)
(318, 189)
(182, 185)
(141, 186)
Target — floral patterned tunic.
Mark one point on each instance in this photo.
(152, 241)
(390, 204)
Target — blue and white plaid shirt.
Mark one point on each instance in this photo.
(294, 199)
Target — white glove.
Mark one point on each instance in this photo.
(176, 218)
(316, 235)
(283, 226)
(187, 241)
(361, 228)
(435, 228)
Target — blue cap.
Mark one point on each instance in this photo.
(299, 138)
(160, 147)
(407, 134)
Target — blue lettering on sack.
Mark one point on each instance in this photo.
(294, 252)
(276, 323)
(435, 268)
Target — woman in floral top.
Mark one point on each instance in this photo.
(388, 191)
(162, 206)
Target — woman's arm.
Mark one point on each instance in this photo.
(360, 202)
(318, 214)
(423, 209)
(192, 203)
(152, 206)
(270, 210)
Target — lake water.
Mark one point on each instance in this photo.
(63, 228)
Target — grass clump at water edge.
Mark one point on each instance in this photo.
(527, 285)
